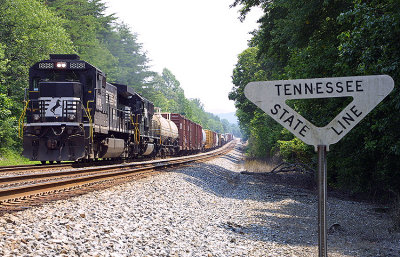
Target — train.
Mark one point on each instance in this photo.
(72, 113)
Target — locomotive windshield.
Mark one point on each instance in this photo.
(60, 89)
(51, 75)
(62, 75)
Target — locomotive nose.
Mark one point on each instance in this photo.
(51, 144)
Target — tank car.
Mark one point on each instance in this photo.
(168, 134)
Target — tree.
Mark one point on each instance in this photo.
(29, 32)
(131, 65)
(306, 39)
(8, 126)
(85, 24)
(247, 69)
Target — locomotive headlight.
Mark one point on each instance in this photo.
(61, 65)
(36, 117)
(71, 117)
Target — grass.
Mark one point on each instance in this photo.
(252, 165)
(9, 158)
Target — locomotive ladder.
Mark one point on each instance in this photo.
(87, 111)
(21, 121)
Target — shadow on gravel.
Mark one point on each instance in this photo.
(288, 210)
(225, 183)
(270, 189)
(232, 158)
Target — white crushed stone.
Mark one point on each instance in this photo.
(201, 210)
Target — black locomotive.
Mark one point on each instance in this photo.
(73, 113)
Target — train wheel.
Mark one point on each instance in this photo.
(43, 162)
(58, 162)
(50, 162)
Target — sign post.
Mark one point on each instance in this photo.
(322, 195)
(367, 92)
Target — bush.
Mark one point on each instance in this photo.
(294, 150)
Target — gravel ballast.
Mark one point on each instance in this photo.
(206, 209)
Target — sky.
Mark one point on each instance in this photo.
(198, 41)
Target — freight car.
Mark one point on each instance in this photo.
(190, 133)
(73, 114)
(168, 134)
(228, 137)
(211, 140)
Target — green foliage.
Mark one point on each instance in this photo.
(247, 69)
(85, 23)
(369, 45)
(110, 46)
(263, 134)
(29, 32)
(311, 39)
(165, 92)
(3, 68)
(8, 126)
(10, 157)
(131, 63)
(294, 150)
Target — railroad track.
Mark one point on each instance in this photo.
(56, 166)
(17, 168)
(20, 191)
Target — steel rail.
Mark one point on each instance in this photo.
(48, 175)
(33, 167)
(125, 170)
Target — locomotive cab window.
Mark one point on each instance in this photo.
(60, 89)
(62, 75)
(35, 84)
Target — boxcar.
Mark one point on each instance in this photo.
(196, 136)
(228, 137)
(190, 133)
(211, 139)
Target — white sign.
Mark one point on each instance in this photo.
(367, 92)
(53, 106)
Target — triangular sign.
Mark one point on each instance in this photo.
(367, 92)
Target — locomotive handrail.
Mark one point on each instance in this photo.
(136, 129)
(133, 124)
(21, 121)
(90, 119)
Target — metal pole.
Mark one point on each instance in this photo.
(322, 185)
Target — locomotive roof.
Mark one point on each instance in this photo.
(73, 58)
(124, 90)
